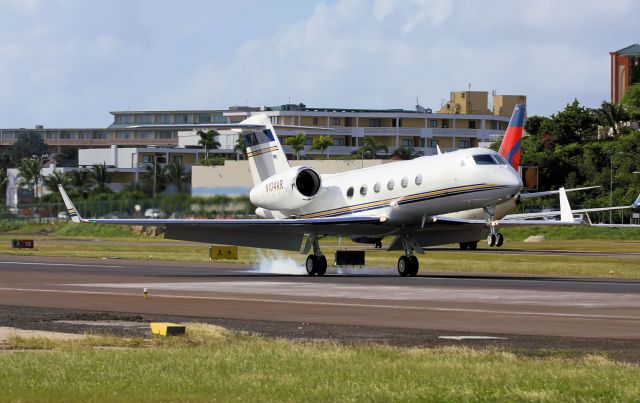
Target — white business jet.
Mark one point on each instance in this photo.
(408, 200)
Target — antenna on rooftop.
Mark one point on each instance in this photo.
(419, 108)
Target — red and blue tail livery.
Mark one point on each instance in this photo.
(512, 141)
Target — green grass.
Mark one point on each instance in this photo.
(213, 364)
(579, 232)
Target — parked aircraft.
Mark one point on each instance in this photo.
(408, 200)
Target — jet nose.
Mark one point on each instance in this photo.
(513, 181)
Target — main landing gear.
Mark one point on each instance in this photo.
(469, 245)
(408, 264)
(316, 263)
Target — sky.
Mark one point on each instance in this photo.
(67, 63)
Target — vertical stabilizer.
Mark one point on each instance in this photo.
(510, 147)
(266, 157)
(566, 215)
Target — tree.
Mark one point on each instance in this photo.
(29, 172)
(177, 175)
(322, 143)
(99, 177)
(54, 179)
(406, 153)
(240, 147)
(370, 146)
(3, 181)
(611, 115)
(631, 101)
(80, 180)
(160, 178)
(296, 143)
(26, 145)
(208, 141)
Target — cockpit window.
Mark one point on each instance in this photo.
(500, 159)
(484, 159)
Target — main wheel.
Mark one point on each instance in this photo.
(322, 265)
(464, 245)
(312, 265)
(499, 240)
(472, 245)
(414, 264)
(404, 266)
(491, 240)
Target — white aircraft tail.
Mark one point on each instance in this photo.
(71, 209)
(566, 215)
(266, 157)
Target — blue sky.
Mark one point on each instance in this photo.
(68, 63)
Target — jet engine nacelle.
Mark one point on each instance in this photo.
(288, 190)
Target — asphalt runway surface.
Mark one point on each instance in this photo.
(372, 298)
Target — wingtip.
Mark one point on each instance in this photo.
(71, 209)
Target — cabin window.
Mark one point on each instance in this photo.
(363, 190)
(484, 159)
(376, 187)
(418, 179)
(404, 182)
(350, 192)
(500, 159)
(390, 184)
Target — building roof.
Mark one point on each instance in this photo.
(630, 50)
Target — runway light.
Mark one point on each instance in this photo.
(145, 292)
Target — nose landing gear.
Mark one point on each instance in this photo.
(494, 238)
(408, 264)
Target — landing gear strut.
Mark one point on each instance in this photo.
(316, 263)
(494, 238)
(408, 264)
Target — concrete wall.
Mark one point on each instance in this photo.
(234, 177)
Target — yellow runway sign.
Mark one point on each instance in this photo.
(223, 253)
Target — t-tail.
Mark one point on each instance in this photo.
(266, 157)
(512, 141)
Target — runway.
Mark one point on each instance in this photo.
(537, 306)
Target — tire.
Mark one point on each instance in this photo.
(491, 240)
(415, 265)
(312, 265)
(472, 245)
(499, 240)
(464, 245)
(322, 265)
(403, 266)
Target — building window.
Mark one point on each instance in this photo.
(147, 159)
(433, 143)
(165, 134)
(404, 182)
(146, 119)
(124, 135)
(308, 141)
(407, 143)
(374, 123)
(204, 118)
(183, 118)
(363, 190)
(350, 192)
(462, 143)
(177, 159)
(376, 187)
(164, 118)
(100, 136)
(472, 124)
(445, 123)
(144, 135)
(315, 121)
(335, 121)
(418, 179)
(433, 123)
(391, 184)
(126, 119)
(360, 141)
(338, 141)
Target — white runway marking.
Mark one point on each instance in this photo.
(343, 304)
(398, 293)
(61, 264)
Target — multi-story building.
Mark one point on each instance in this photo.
(625, 70)
(466, 120)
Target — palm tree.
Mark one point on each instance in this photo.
(240, 147)
(208, 141)
(296, 143)
(54, 179)
(369, 145)
(406, 153)
(99, 177)
(610, 115)
(160, 175)
(29, 172)
(322, 143)
(177, 175)
(3, 180)
(80, 180)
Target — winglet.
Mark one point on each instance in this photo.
(636, 204)
(71, 209)
(565, 208)
(438, 149)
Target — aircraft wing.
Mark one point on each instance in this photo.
(553, 192)
(285, 234)
(635, 205)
